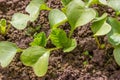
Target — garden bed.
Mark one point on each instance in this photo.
(85, 62)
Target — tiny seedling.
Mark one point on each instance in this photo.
(3, 27)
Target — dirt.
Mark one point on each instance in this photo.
(99, 64)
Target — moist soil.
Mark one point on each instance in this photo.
(99, 64)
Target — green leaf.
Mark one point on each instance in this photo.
(36, 57)
(60, 40)
(116, 54)
(44, 7)
(100, 27)
(2, 26)
(34, 8)
(72, 44)
(7, 52)
(115, 39)
(114, 34)
(103, 30)
(115, 4)
(41, 66)
(56, 18)
(66, 2)
(39, 40)
(85, 14)
(19, 20)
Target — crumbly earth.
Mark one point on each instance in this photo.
(75, 65)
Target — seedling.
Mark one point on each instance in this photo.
(3, 27)
(77, 13)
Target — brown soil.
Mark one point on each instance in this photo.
(98, 65)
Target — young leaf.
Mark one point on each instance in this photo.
(56, 18)
(44, 7)
(2, 26)
(36, 57)
(115, 39)
(72, 44)
(60, 40)
(116, 54)
(115, 4)
(39, 40)
(34, 8)
(114, 34)
(41, 66)
(100, 27)
(85, 14)
(19, 20)
(7, 52)
(66, 2)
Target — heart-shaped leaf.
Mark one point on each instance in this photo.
(78, 15)
(56, 18)
(116, 54)
(34, 8)
(7, 52)
(19, 20)
(114, 34)
(36, 57)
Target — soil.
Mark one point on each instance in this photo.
(99, 64)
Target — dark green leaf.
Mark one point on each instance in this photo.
(7, 52)
(56, 18)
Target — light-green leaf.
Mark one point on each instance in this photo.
(7, 52)
(41, 66)
(2, 26)
(115, 4)
(39, 40)
(115, 39)
(116, 54)
(56, 18)
(78, 15)
(114, 34)
(34, 8)
(100, 27)
(19, 20)
(36, 57)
